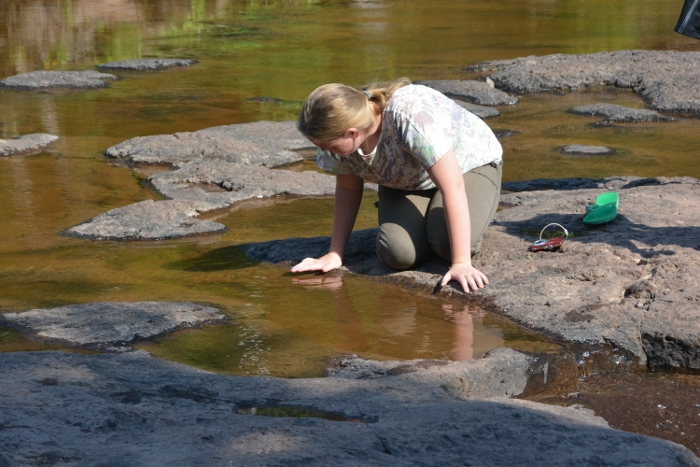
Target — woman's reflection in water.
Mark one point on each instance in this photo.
(350, 326)
(463, 348)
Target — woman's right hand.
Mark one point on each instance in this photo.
(325, 263)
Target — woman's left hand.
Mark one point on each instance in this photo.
(467, 275)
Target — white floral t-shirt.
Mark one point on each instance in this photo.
(419, 126)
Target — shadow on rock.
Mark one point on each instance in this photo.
(611, 234)
(221, 259)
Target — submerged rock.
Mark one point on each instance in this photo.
(583, 150)
(26, 144)
(58, 79)
(131, 409)
(620, 114)
(668, 80)
(110, 325)
(147, 64)
(475, 92)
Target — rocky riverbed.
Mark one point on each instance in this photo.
(630, 283)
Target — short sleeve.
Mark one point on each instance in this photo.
(428, 134)
(332, 163)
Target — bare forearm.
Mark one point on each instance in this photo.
(348, 196)
(456, 207)
(448, 178)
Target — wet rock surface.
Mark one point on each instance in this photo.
(58, 79)
(474, 92)
(109, 325)
(147, 64)
(620, 114)
(668, 80)
(131, 409)
(26, 144)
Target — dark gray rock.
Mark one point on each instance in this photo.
(110, 325)
(26, 144)
(668, 80)
(131, 409)
(595, 291)
(58, 79)
(271, 144)
(480, 111)
(620, 114)
(583, 150)
(147, 220)
(475, 92)
(147, 64)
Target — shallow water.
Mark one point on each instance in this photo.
(283, 325)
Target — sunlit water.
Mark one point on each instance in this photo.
(283, 325)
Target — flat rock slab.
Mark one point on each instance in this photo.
(131, 409)
(620, 114)
(147, 220)
(196, 188)
(110, 325)
(215, 184)
(502, 373)
(480, 111)
(475, 92)
(58, 79)
(26, 144)
(583, 150)
(668, 80)
(147, 64)
(631, 283)
(271, 144)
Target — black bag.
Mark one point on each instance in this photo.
(689, 22)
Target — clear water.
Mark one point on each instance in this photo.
(282, 325)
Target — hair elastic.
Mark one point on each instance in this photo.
(369, 96)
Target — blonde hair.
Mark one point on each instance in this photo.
(331, 109)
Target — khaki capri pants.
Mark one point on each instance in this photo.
(412, 223)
